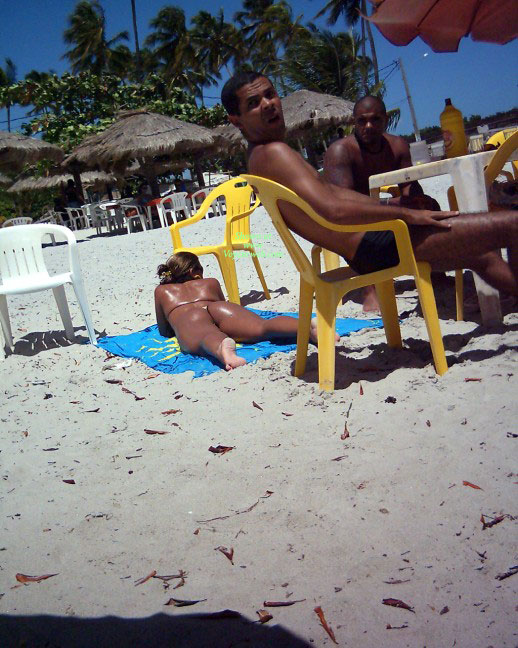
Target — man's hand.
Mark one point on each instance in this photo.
(425, 217)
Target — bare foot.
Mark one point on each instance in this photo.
(228, 356)
(313, 332)
(370, 300)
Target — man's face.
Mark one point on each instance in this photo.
(260, 112)
(370, 122)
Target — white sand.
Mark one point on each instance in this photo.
(334, 533)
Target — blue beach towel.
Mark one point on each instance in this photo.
(163, 354)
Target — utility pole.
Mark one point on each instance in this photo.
(417, 134)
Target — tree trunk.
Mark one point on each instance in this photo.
(373, 51)
(137, 49)
(199, 173)
(78, 184)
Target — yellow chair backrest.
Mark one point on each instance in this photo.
(237, 196)
(500, 158)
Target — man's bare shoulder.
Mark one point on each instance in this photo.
(278, 161)
(265, 152)
(397, 144)
(344, 147)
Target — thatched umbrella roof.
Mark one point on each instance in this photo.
(4, 180)
(160, 167)
(17, 150)
(88, 179)
(305, 112)
(140, 134)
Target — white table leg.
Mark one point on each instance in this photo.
(470, 190)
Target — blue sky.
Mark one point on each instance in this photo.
(480, 78)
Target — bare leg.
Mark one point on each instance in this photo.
(238, 323)
(198, 334)
(471, 243)
(242, 325)
(370, 300)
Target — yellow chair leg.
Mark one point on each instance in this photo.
(228, 270)
(259, 271)
(459, 295)
(305, 310)
(387, 299)
(326, 327)
(431, 318)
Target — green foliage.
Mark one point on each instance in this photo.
(71, 107)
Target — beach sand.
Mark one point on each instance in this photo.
(338, 523)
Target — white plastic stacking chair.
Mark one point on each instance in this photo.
(23, 270)
(198, 197)
(171, 206)
(19, 220)
(76, 216)
(139, 216)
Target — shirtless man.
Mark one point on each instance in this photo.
(446, 240)
(349, 162)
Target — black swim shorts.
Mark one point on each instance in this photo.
(376, 251)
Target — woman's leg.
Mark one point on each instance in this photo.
(242, 325)
(198, 334)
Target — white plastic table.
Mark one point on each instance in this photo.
(467, 174)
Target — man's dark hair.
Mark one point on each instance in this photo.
(228, 94)
(377, 100)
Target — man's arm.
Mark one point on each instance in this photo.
(337, 165)
(164, 328)
(278, 162)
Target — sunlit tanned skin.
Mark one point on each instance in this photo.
(350, 161)
(444, 239)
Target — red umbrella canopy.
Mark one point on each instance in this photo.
(442, 23)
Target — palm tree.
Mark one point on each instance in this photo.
(138, 62)
(169, 36)
(268, 27)
(321, 61)
(90, 50)
(352, 10)
(8, 78)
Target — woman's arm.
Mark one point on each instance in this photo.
(164, 328)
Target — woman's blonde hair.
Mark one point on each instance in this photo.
(179, 268)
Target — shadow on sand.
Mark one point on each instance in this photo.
(226, 629)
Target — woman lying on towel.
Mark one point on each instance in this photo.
(195, 310)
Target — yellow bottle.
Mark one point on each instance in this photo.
(452, 126)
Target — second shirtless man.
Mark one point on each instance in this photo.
(350, 161)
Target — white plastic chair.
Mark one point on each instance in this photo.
(23, 270)
(199, 196)
(19, 220)
(76, 216)
(171, 206)
(131, 220)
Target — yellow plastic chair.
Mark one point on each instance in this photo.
(237, 194)
(493, 169)
(329, 287)
(497, 140)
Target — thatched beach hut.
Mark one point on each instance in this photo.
(143, 136)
